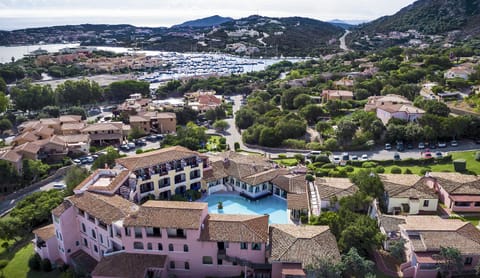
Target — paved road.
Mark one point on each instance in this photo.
(343, 45)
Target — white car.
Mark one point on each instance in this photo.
(336, 159)
(364, 157)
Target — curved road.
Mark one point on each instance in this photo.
(343, 45)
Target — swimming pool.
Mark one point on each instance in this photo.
(233, 204)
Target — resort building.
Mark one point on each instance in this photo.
(105, 235)
(462, 71)
(103, 134)
(425, 235)
(459, 192)
(336, 95)
(155, 122)
(408, 194)
(404, 112)
(331, 190)
(163, 173)
(378, 101)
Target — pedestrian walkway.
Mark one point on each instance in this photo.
(314, 199)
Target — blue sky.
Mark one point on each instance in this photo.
(16, 14)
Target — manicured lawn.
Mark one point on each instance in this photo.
(473, 219)
(18, 266)
(286, 161)
(213, 143)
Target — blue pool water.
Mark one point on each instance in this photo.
(232, 204)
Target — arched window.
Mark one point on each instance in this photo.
(185, 248)
(170, 247)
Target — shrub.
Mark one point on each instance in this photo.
(34, 262)
(314, 146)
(379, 170)
(423, 171)
(369, 164)
(46, 265)
(349, 169)
(328, 166)
(93, 149)
(293, 143)
(396, 170)
(304, 219)
(222, 140)
(460, 165)
(222, 146)
(337, 173)
(309, 177)
(139, 151)
(322, 173)
(321, 158)
(282, 156)
(236, 146)
(407, 171)
(477, 156)
(299, 157)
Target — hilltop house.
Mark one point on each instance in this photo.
(408, 194)
(404, 112)
(459, 192)
(336, 95)
(462, 71)
(374, 102)
(156, 122)
(102, 134)
(425, 235)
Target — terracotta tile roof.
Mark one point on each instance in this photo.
(128, 265)
(83, 261)
(158, 115)
(431, 223)
(55, 139)
(217, 172)
(391, 222)
(44, 131)
(340, 187)
(168, 214)
(28, 136)
(264, 176)
(291, 183)
(73, 126)
(101, 127)
(114, 184)
(407, 108)
(235, 228)
(45, 232)
(156, 157)
(50, 121)
(70, 118)
(138, 119)
(11, 156)
(209, 100)
(338, 93)
(28, 147)
(60, 209)
(297, 201)
(455, 183)
(302, 244)
(241, 166)
(407, 186)
(106, 208)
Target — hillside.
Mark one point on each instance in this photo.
(205, 22)
(253, 36)
(431, 17)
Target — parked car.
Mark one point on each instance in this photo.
(159, 136)
(427, 155)
(131, 145)
(77, 161)
(354, 157)
(364, 157)
(336, 159)
(140, 142)
(421, 145)
(345, 156)
(454, 143)
(89, 159)
(400, 147)
(477, 141)
(442, 144)
(152, 138)
(388, 146)
(438, 155)
(312, 154)
(409, 146)
(59, 186)
(125, 147)
(396, 156)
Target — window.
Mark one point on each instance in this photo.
(207, 260)
(160, 247)
(468, 260)
(462, 204)
(425, 203)
(101, 238)
(477, 204)
(77, 243)
(95, 248)
(256, 246)
(127, 231)
(187, 265)
(219, 262)
(149, 246)
(91, 218)
(85, 242)
(102, 225)
(94, 235)
(138, 245)
(264, 187)
(170, 247)
(81, 213)
(243, 245)
(83, 228)
(153, 232)
(138, 232)
(172, 264)
(185, 248)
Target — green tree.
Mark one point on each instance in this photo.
(301, 100)
(268, 137)
(34, 170)
(78, 92)
(106, 159)
(3, 85)
(121, 90)
(5, 124)
(436, 108)
(346, 129)
(362, 234)
(369, 183)
(325, 268)
(323, 127)
(220, 125)
(192, 137)
(331, 144)
(51, 111)
(74, 177)
(356, 265)
(450, 260)
(245, 117)
(28, 97)
(311, 112)
(4, 102)
(289, 95)
(397, 250)
(78, 110)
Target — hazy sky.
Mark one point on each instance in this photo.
(15, 14)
